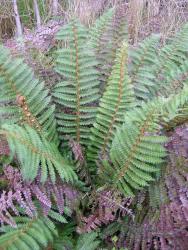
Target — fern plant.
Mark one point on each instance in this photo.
(53, 143)
(29, 234)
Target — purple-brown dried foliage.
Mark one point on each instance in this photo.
(23, 194)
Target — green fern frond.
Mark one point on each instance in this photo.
(87, 241)
(176, 79)
(99, 28)
(30, 234)
(168, 58)
(78, 93)
(34, 152)
(141, 59)
(67, 240)
(137, 150)
(175, 109)
(120, 26)
(177, 46)
(116, 100)
(23, 99)
(107, 36)
(57, 216)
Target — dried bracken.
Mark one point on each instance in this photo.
(109, 205)
(24, 194)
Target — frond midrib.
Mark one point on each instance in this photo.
(120, 94)
(121, 173)
(77, 85)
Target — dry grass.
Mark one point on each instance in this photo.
(7, 24)
(166, 16)
(173, 16)
(135, 13)
(85, 10)
(88, 10)
(144, 16)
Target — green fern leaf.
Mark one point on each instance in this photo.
(23, 99)
(141, 59)
(106, 37)
(174, 110)
(175, 80)
(133, 160)
(117, 99)
(79, 91)
(34, 152)
(100, 26)
(30, 234)
(166, 61)
(87, 241)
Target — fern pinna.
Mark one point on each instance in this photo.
(92, 158)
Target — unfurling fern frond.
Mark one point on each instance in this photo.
(117, 99)
(30, 234)
(137, 150)
(35, 153)
(77, 93)
(27, 97)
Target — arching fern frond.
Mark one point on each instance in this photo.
(175, 109)
(23, 99)
(30, 234)
(176, 46)
(116, 100)
(99, 28)
(141, 59)
(79, 91)
(176, 79)
(35, 153)
(110, 32)
(137, 150)
(169, 57)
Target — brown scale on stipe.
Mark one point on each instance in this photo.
(27, 115)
